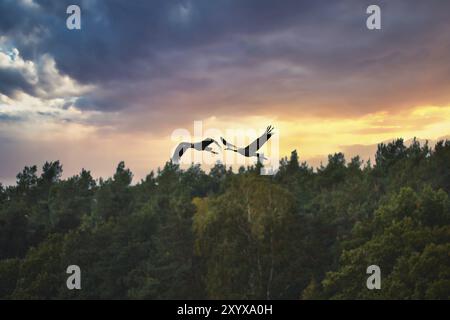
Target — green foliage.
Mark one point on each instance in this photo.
(242, 235)
(70, 200)
(409, 237)
(187, 234)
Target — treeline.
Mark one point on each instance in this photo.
(186, 234)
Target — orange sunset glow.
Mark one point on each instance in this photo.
(99, 95)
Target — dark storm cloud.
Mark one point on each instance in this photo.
(12, 80)
(14, 15)
(9, 118)
(158, 65)
(142, 54)
(122, 39)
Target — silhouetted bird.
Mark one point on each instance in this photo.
(200, 146)
(250, 150)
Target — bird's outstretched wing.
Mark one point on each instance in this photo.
(179, 151)
(226, 143)
(208, 141)
(255, 145)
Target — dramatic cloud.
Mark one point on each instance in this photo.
(143, 68)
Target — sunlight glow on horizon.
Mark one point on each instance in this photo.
(82, 146)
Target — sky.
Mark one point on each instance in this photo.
(137, 71)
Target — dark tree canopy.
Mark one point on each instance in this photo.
(188, 234)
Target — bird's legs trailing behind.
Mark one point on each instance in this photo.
(209, 149)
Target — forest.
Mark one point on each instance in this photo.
(304, 233)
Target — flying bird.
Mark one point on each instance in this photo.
(200, 146)
(252, 148)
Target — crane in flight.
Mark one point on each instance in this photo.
(199, 146)
(252, 148)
